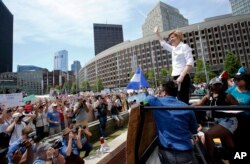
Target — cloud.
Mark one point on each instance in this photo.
(42, 27)
(65, 21)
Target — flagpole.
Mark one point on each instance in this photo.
(153, 61)
(118, 70)
(140, 78)
(202, 53)
(96, 76)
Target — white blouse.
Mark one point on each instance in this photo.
(181, 56)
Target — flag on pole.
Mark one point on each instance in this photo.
(138, 81)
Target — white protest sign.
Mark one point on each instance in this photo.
(11, 100)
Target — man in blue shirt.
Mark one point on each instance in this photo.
(53, 118)
(174, 127)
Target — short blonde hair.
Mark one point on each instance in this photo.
(178, 34)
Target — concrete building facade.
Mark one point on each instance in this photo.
(217, 37)
(240, 7)
(165, 17)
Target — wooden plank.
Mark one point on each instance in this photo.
(147, 136)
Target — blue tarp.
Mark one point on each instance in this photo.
(138, 81)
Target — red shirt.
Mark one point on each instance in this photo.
(28, 108)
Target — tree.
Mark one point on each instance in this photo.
(163, 75)
(73, 88)
(85, 85)
(200, 76)
(169, 71)
(65, 86)
(150, 76)
(231, 64)
(98, 86)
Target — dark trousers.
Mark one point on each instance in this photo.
(176, 157)
(102, 125)
(183, 94)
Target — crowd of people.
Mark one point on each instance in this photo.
(23, 128)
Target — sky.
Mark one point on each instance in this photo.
(43, 27)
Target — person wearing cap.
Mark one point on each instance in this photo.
(45, 154)
(182, 61)
(22, 144)
(224, 127)
(71, 145)
(241, 92)
(81, 112)
(174, 127)
(53, 118)
(16, 126)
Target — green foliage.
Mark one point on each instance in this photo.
(200, 76)
(150, 76)
(73, 88)
(163, 76)
(98, 86)
(65, 86)
(169, 71)
(57, 87)
(231, 64)
(85, 86)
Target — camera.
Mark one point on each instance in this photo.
(77, 128)
(32, 135)
(57, 144)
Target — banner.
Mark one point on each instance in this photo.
(11, 100)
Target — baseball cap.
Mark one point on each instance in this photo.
(241, 71)
(215, 80)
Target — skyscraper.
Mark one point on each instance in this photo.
(106, 36)
(165, 17)
(240, 7)
(6, 39)
(61, 60)
(75, 67)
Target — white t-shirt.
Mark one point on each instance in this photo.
(17, 133)
(181, 56)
